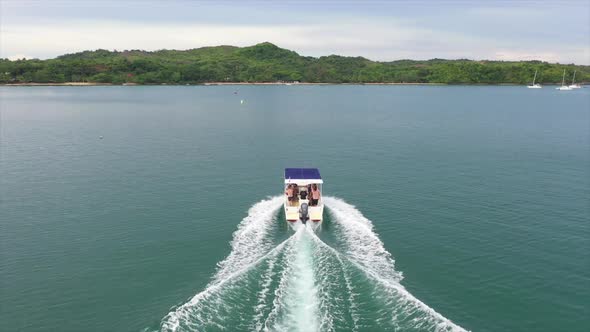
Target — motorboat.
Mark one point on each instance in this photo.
(303, 197)
(534, 85)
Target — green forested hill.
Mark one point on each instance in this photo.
(268, 63)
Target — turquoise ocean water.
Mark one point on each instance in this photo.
(448, 208)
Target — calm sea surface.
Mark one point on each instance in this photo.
(117, 204)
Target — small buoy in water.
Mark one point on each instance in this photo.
(241, 101)
(235, 92)
(100, 137)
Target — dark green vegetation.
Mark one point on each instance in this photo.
(268, 63)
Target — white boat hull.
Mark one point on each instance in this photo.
(297, 224)
(316, 214)
(564, 87)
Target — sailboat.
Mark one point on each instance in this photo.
(563, 86)
(534, 86)
(574, 85)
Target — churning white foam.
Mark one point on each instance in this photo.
(251, 240)
(251, 243)
(363, 245)
(263, 294)
(296, 306)
(365, 249)
(303, 284)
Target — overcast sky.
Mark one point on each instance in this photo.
(555, 31)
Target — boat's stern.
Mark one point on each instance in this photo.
(291, 213)
(303, 201)
(316, 213)
(304, 214)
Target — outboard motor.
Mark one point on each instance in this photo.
(303, 213)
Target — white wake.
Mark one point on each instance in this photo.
(250, 243)
(304, 284)
(365, 249)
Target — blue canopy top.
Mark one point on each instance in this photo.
(302, 174)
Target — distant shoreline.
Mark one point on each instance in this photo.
(248, 83)
(267, 64)
(204, 84)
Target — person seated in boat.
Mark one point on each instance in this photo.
(303, 194)
(289, 193)
(296, 194)
(315, 195)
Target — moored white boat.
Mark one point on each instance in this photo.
(303, 196)
(563, 87)
(534, 85)
(574, 85)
